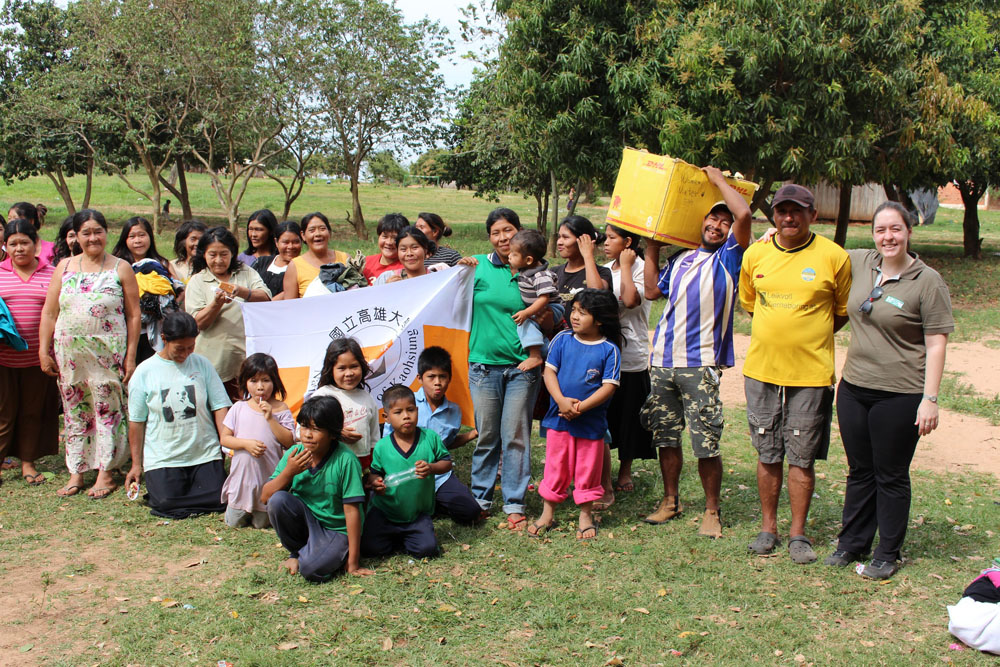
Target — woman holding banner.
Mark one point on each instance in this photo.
(503, 395)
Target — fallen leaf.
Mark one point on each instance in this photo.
(615, 660)
(936, 576)
(736, 609)
(234, 614)
(466, 547)
(168, 602)
(156, 599)
(356, 591)
(387, 644)
(869, 644)
(686, 633)
(641, 610)
(779, 653)
(26, 648)
(121, 599)
(303, 599)
(287, 646)
(442, 641)
(661, 593)
(494, 601)
(947, 501)
(447, 608)
(799, 657)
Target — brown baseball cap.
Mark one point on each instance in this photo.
(794, 193)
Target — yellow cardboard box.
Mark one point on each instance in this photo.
(664, 198)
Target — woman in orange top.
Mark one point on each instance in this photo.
(304, 268)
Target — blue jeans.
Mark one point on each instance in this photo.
(504, 398)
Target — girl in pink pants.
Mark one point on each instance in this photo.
(581, 373)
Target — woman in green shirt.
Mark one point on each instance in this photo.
(503, 396)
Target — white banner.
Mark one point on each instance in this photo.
(393, 323)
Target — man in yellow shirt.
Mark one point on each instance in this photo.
(795, 287)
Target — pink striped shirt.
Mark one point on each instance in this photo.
(25, 300)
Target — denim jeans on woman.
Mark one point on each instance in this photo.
(504, 398)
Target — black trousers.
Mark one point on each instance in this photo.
(455, 500)
(382, 537)
(880, 437)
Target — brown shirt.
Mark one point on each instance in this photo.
(887, 350)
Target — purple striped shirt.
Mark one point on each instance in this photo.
(696, 328)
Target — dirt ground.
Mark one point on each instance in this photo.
(961, 442)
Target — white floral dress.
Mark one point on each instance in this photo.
(90, 344)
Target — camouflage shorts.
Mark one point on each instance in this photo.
(684, 395)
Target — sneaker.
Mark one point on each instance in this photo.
(880, 569)
(669, 508)
(711, 524)
(842, 558)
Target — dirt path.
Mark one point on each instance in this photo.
(961, 442)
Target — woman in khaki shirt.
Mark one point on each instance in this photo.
(900, 314)
(219, 285)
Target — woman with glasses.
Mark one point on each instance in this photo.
(900, 314)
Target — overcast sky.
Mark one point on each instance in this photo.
(456, 70)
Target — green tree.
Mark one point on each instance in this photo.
(432, 166)
(384, 167)
(377, 79)
(31, 141)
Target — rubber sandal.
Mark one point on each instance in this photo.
(627, 487)
(580, 533)
(34, 480)
(764, 544)
(540, 528)
(103, 492)
(516, 525)
(70, 490)
(800, 548)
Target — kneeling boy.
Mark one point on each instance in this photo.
(437, 413)
(403, 461)
(315, 495)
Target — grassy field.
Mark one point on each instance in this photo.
(89, 582)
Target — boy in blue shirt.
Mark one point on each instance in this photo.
(315, 495)
(399, 516)
(435, 412)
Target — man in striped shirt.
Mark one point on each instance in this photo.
(693, 342)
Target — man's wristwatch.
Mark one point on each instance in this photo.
(932, 399)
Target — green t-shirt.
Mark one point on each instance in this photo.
(495, 297)
(406, 497)
(325, 489)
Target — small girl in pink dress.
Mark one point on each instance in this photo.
(257, 429)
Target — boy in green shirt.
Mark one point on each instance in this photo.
(315, 495)
(404, 463)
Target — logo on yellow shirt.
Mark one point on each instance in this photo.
(808, 274)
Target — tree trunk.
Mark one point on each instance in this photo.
(843, 214)
(357, 218)
(759, 201)
(544, 228)
(180, 190)
(63, 189)
(972, 244)
(539, 221)
(573, 202)
(890, 192)
(555, 213)
(182, 184)
(90, 181)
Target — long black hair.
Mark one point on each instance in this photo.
(337, 347)
(213, 235)
(266, 218)
(121, 248)
(435, 221)
(635, 241)
(260, 363)
(27, 211)
(178, 324)
(580, 226)
(502, 214)
(414, 233)
(603, 306)
(180, 238)
(63, 250)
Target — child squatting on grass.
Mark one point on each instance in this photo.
(315, 495)
(436, 412)
(581, 373)
(399, 516)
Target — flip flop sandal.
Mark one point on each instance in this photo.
(541, 528)
(800, 548)
(580, 533)
(764, 543)
(70, 490)
(34, 480)
(516, 525)
(601, 506)
(103, 492)
(625, 488)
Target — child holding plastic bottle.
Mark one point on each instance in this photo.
(436, 412)
(403, 465)
(257, 430)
